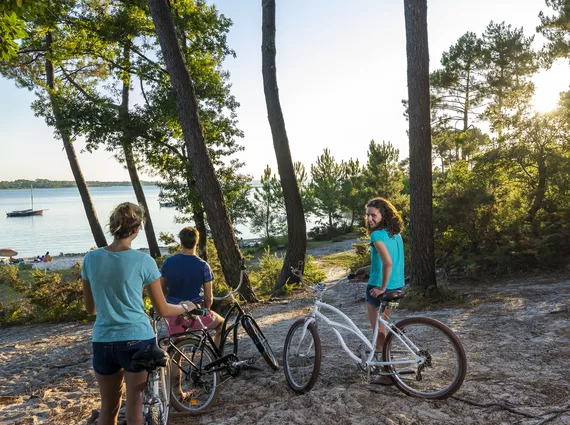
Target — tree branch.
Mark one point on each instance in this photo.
(138, 52)
(84, 92)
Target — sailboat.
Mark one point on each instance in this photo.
(26, 213)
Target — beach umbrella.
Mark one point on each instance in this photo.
(7, 252)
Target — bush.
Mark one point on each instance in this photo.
(49, 297)
(266, 275)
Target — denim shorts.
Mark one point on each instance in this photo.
(375, 302)
(111, 357)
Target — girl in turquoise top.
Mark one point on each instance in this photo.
(113, 281)
(384, 225)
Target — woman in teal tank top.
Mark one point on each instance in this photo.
(113, 282)
(384, 225)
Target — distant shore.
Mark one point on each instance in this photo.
(59, 184)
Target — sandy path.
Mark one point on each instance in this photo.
(517, 375)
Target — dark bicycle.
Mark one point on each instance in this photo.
(197, 363)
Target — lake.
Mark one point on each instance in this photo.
(64, 227)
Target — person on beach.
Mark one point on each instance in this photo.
(186, 277)
(384, 225)
(113, 282)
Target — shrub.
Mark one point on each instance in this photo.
(267, 273)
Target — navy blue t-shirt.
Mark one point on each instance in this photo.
(185, 275)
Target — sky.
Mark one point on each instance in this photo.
(341, 71)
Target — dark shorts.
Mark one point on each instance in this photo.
(111, 357)
(375, 302)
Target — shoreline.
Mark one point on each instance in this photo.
(68, 260)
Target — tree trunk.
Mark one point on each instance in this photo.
(296, 226)
(200, 222)
(421, 225)
(200, 161)
(88, 206)
(126, 143)
(467, 105)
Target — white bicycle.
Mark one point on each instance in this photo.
(156, 395)
(422, 356)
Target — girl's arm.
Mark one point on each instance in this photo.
(88, 298)
(162, 308)
(386, 263)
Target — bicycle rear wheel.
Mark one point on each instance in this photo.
(443, 366)
(193, 389)
(302, 357)
(252, 329)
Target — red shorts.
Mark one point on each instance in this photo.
(179, 324)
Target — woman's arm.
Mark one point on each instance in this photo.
(164, 309)
(386, 264)
(88, 298)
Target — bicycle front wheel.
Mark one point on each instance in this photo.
(443, 364)
(302, 356)
(252, 329)
(193, 389)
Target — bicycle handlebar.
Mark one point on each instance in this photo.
(241, 273)
(319, 287)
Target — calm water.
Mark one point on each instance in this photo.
(64, 226)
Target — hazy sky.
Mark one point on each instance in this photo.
(341, 69)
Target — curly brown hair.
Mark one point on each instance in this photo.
(391, 219)
(125, 220)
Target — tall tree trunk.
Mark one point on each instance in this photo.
(127, 145)
(421, 225)
(467, 105)
(88, 206)
(199, 220)
(296, 226)
(200, 161)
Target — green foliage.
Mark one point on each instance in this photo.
(509, 62)
(263, 278)
(46, 296)
(327, 178)
(383, 177)
(556, 29)
(352, 261)
(267, 213)
(456, 87)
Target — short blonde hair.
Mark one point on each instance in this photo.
(125, 220)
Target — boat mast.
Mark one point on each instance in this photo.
(32, 195)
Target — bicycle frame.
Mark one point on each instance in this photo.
(351, 327)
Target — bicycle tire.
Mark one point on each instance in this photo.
(200, 355)
(156, 413)
(254, 332)
(435, 368)
(288, 356)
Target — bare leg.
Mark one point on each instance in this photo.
(219, 321)
(136, 383)
(110, 388)
(373, 317)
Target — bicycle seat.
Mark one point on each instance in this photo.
(392, 295)
(149, 358)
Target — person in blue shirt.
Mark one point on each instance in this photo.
(187, 277)
(384, 226)
(113, 282)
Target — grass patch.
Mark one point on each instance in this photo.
(342, 259)
(432, 298)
